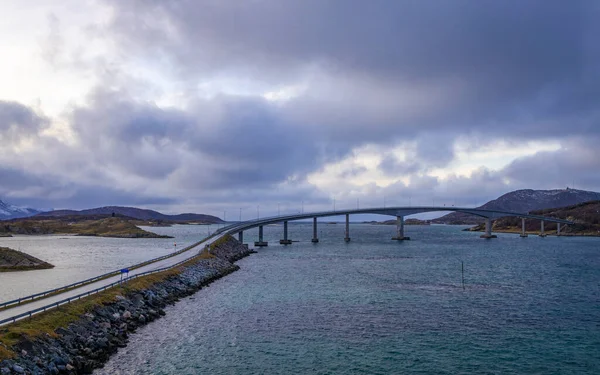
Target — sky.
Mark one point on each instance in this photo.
(264, 106)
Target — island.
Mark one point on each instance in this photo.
(13, 260)
(81, 225)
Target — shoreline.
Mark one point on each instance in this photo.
(518, 231)
(91, 337)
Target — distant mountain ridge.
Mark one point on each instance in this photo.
(9, 211)
(136, 213)
(524, 201)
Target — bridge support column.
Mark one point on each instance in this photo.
(523, 234)
(285, 240)
(347, 238)
(315, 239)
(558, 229)
(241, 236)
(488, 229)
(400, 229)
(260, 242)
(542, 232)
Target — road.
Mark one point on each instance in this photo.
(46, 301)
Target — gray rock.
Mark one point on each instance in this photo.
(126, 314)
(18, 369)
(4, 371)
(142, 319)
(52, 369)
(59, 360)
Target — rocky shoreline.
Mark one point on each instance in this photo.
(87, 343)
(13, 260)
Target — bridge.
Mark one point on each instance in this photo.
(398, 212)
(23, 307)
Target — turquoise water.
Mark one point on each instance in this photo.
(374, 306)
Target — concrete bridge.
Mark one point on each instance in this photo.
(398, 212)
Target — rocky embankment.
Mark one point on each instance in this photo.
(13, 260)
(88, 342)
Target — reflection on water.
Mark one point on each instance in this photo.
(77, 258)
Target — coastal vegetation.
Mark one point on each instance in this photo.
(98, 225)
(586, 217)
(13, 260)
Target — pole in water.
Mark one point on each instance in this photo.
(462, 268)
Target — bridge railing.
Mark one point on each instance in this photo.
(32, 312)
(43, 294)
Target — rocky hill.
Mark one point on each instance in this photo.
(8, 211)
(138, 213)
(13, 260)
(524, 201)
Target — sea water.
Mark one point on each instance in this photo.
(375, 306)
(78, 258)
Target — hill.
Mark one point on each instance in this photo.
(13, 260)
(137, 213)
(8, 211)
(585, 215)
(120, 227)
(524, 201)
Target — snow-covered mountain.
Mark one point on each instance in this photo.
(525, 201)
(9, 211)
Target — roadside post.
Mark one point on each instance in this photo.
(124, 273)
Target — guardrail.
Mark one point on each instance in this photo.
(88, 293)
(32, 297)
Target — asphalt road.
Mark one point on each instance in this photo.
(46, 301)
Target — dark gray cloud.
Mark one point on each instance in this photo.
(497, 63)
(17, 121)
(392, 166)
(382, 73)
(578, 162)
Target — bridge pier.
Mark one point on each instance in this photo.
(523, 234)
(400, 229)
(488, 229)
(558, 229)
(241, 236)
(347, 238)
(542, 232)
(315, 239)
(260, 242)
(285, 240)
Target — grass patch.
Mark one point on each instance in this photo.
(49, 321)
(221, 241)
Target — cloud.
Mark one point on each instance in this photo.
(18, 121)
(182, 112)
